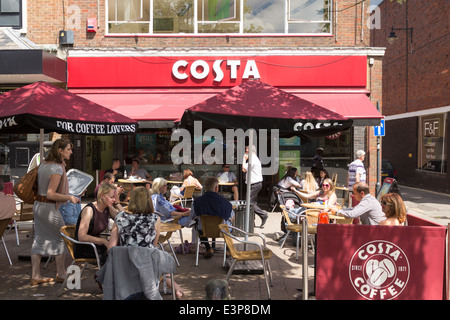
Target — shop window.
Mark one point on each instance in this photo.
(11, 13)
(219, 16)
(431, 147)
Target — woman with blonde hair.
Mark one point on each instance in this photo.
(394, 209)
(93, 220)
(309, 184)
(326, 194)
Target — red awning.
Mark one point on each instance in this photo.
(161, 106)
(169, 105)
(353, 105)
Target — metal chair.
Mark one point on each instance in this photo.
(210, 229)
(24, 214)
(169, 228)
(188, 195)
(297, 227)
(3, 224)
(262, 254)
(68, 234)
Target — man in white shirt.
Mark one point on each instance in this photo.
(256, 179)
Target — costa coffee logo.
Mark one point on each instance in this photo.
(200, 69)
(379, 270)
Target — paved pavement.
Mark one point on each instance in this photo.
(287, 271)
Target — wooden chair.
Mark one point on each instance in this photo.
(188, 195)
(334, 179)
(262, 254)
(297, 228)
(3, 224)
(68, 234)
(210, 229)
(24, 214)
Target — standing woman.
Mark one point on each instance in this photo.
(53, 190)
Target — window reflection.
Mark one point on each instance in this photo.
(219, 16)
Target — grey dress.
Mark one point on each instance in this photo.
(47, 219)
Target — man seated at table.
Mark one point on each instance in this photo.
(368, 210)
(115, 169)
(213, 204)
(139, 172)
(226, 176)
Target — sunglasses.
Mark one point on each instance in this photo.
(325, 185)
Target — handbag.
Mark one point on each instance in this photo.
(26, 188)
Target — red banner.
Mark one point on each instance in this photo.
(356, 262)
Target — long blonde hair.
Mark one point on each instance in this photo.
(309, 184)
(140, 201)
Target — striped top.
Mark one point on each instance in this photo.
(356, 166)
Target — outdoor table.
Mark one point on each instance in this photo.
(134, 181)
(174, 182)
(223, 184)
(331, 216)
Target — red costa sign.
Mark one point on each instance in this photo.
(216, 71)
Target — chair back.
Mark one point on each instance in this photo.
(225, 231)
(334, 178)
(312, 216)
(68, 233)
(3, 224)
(286, 215)
(189, 191)
(24, 213)
(210, 226)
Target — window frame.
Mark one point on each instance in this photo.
(239, 14)
(19, 14)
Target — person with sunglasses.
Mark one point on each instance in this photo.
(325, 194)
(394, 209)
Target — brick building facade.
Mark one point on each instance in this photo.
(346, 35)
(415, 91)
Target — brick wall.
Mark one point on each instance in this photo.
(43, 27)
(427, 56)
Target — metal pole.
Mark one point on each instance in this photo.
(305, 257)
(249, 182)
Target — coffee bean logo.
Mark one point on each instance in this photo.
(379, 270)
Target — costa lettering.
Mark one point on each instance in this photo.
(8, 122)
(300, 126)
(200, 69)
(379, 270)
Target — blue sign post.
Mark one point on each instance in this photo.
(379, 130)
